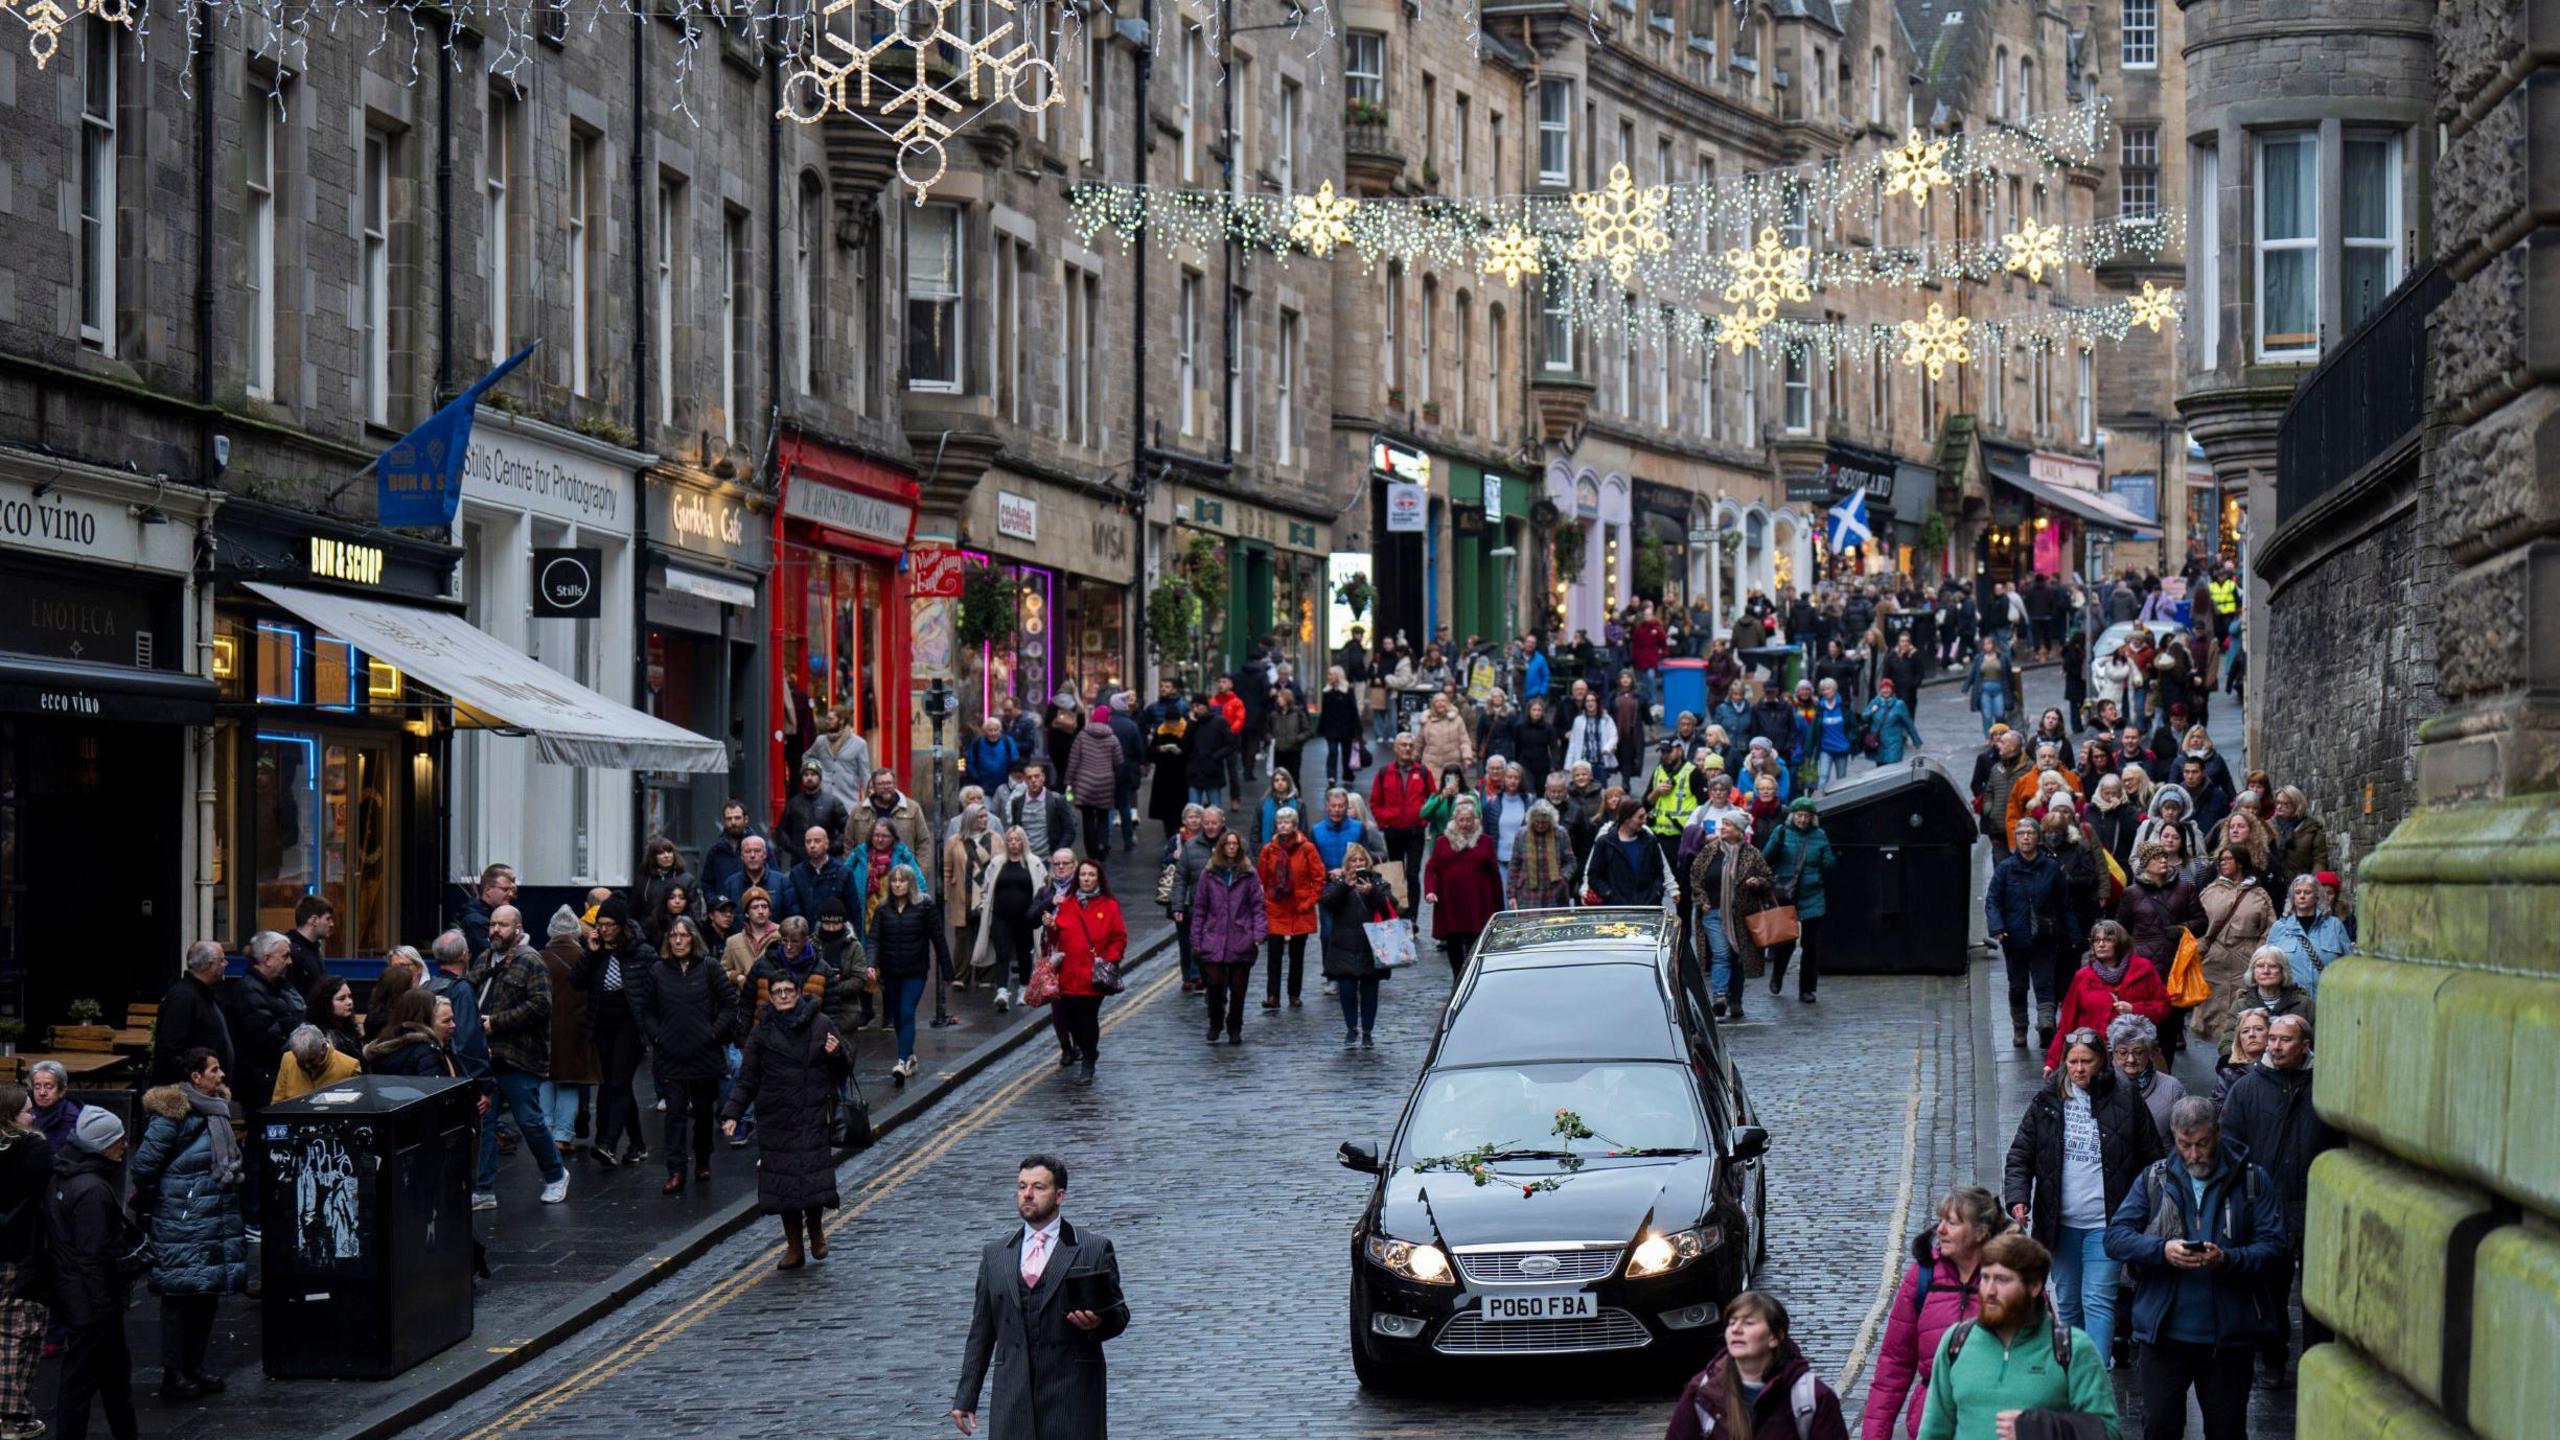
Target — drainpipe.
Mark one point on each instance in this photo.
(200, 910)
(1138, 359)
(640, 397)
(444, 219)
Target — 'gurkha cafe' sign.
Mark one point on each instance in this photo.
(709, 521)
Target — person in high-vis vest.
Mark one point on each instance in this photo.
(1675, 788)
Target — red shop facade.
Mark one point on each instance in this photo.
(840, 628)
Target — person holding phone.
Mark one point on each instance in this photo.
(2200, 1231)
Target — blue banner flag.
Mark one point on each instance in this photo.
(418, 481)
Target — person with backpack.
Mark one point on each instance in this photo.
(1936, 1295)
(2202, 1231)
(2024, 1362)
(1761, 1387)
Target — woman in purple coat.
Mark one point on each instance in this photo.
(1228, 924)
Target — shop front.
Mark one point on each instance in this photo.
(1489, 526)
(1590, 546)
(1851, 470)
(102, 709)
(1404, 511)
(345, 667)
(2048, 517)
(545, 510)
(841, 637)
(1661, 539)
(710, 542)
(1067, 551)
(1275, 579)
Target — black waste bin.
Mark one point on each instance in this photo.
(1897, 898)
(368, 1235)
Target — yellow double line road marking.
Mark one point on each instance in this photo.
(873, 1191)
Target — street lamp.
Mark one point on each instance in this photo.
(940, 701)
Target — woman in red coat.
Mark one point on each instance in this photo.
(1463, 882)
(1292, 871)
(1086, 926)
(2112, 981)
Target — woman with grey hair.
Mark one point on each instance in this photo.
(1541, 873)
(2133, 1042)
(49, 1095)
(312, 1062)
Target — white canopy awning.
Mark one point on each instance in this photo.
(503, 687)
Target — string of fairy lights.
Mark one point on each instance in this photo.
(1712, 261)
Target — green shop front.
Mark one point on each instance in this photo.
(1489, 527)
(1275, 578)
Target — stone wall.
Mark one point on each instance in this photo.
(2348, 668)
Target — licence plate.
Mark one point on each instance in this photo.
(1543, 1305)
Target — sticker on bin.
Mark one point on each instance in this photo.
(337, 1097)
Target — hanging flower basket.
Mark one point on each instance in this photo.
(989, 607)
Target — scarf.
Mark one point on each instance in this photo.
(1540, 865)
(2115, 976)
(1284, 883)
(1087, 892)
(56, 1120)
(216, 1111)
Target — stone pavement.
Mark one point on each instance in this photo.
(1211, 1168)
(554, 1268)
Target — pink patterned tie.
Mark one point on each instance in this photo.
(1031, 1257)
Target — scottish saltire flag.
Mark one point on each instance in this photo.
(1849, 522)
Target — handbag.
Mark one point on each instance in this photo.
(1391, 941)
(1106, 973)
(1785, 890)
(1042, 987)
(2187, 986)
(1774, 925)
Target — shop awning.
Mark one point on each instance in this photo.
(76, 690)
(496, 686)
(2092, 508)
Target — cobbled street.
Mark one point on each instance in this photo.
(1212, 1170)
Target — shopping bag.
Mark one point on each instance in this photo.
(2187, 985)
(1391, 941)
(1042, 987)
(1776, 925)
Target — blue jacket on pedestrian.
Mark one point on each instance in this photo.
(776, 884)
(809, 887)
(858, 877)
(1837, 720)
(1889, 720)
(1535, 677)
(986, 762)
(2232, 1304)
(1735, 720)
(2310, 948)
(2022, 889)
(1332, 839)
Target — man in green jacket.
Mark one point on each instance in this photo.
(2017, 1358)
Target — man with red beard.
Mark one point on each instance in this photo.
(1986, 1385)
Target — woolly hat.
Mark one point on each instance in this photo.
(564, 921)
(96, 1129)
(1803, 803)
(615, 909)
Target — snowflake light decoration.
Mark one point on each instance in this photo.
(1621, 222)
(1917, 168)
(824, 77)
(1511, 253)
(1768, 273)
(2033, 248)
(45, 20)
(1740, 329)
(2152, 308)
(1937, 341)
(1322, 220)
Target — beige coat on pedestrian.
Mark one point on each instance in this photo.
(1443, 742)
(2237, 915)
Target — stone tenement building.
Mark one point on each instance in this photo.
(2361, 357)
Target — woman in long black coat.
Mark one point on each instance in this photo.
(1171, 788)
(793, 1063)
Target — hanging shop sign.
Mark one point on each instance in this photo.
(1408, 509)
(1399, 462)
(934, 572)
(1808, 486)
(568, 583)
(1492, 498)
(1017, 517)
